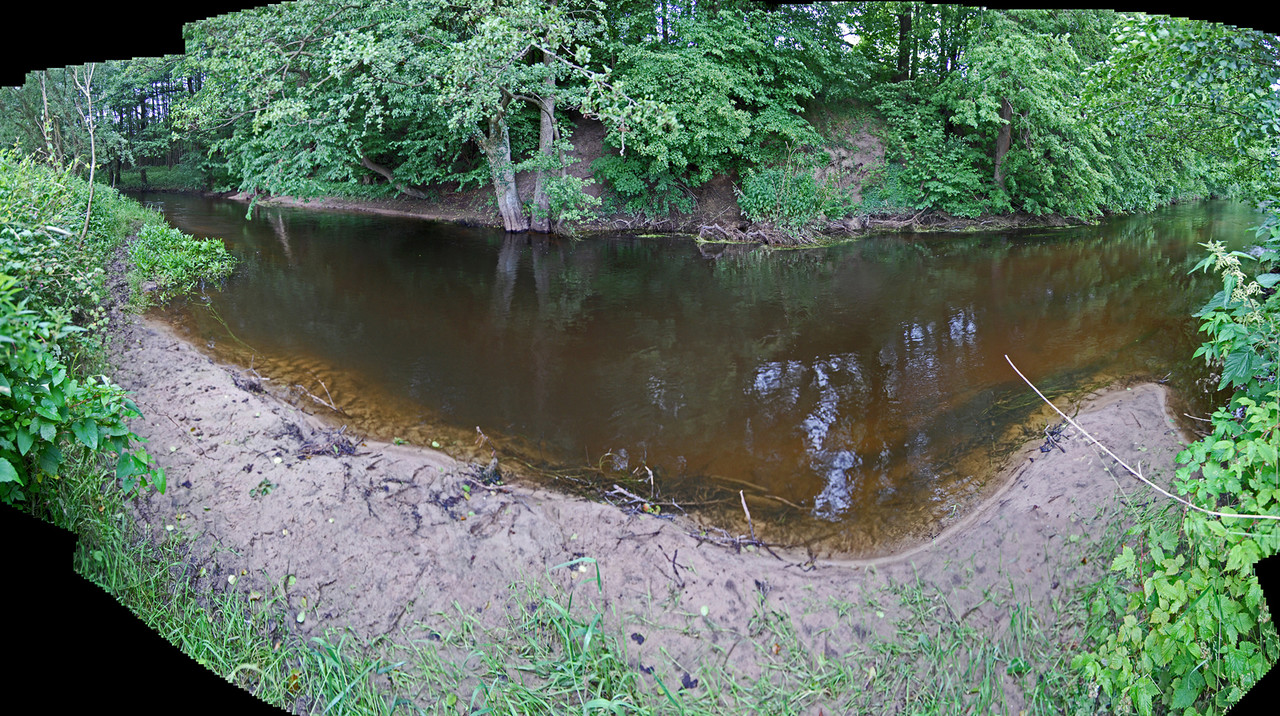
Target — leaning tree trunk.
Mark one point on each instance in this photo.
(496, 144)
(387, 174)
(546, 147)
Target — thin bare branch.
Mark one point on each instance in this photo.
(1136, 473)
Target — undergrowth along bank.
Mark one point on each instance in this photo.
(53, 322)
(553, 657)
(1192, 631)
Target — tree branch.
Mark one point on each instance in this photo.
(1136, 473)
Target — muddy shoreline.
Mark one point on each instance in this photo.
(385, 540)
(716, 219)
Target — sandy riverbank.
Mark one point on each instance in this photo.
(384, 540)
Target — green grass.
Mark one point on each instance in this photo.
(241, 638)
(551, 656)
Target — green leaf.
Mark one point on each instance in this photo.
(1243, 555)
(48, 431)
(1269, 279)
(1239, 367)
(86, 431)
(126, 466)
(50, 459)
(25, 440)
(1124, 561)
(1188, 691)
(8, 473)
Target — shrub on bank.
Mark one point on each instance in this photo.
(46, 413)
(1184, 625)
(58, 421)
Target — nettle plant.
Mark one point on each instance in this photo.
(1193, 632)
(53, 421)
(47, 415)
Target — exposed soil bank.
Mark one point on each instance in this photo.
(385, 540)
(853, 151)
(716, 216)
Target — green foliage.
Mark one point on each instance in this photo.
(58, 271)
(175, 262)
(570, 202)
(1074, 112)
(1192, 102)
(885, 191)
(642, 188)
(1068, 112)
(789, 197)
(50, 295)
(934, 169)
(46, 412)
(735, 94)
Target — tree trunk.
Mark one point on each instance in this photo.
(390, 177)
(546, 104)
(496, 144)
(87, 89)
(905, 49)
(1003, 138)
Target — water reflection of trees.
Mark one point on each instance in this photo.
(842, 378)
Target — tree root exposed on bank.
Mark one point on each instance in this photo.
(923, 220)
(767, 234)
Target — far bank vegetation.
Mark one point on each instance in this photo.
(732, 120)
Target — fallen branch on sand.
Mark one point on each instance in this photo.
(724, 539)
(331, 442)
(1136, 473)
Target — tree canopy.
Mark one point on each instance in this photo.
(980, 111)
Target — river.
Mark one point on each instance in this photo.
(858, 393)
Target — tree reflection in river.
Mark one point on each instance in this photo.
(864, 384)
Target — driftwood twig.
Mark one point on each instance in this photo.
(1135, 472)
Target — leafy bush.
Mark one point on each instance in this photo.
(51, 323)
(567, 199)
(1192, 632)
(570, 202)
(641, 188)
(176, 262)
(782, 196)
(57, 271)
(45, 412)
(885, 192)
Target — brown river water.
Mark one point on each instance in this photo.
(858, 394)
